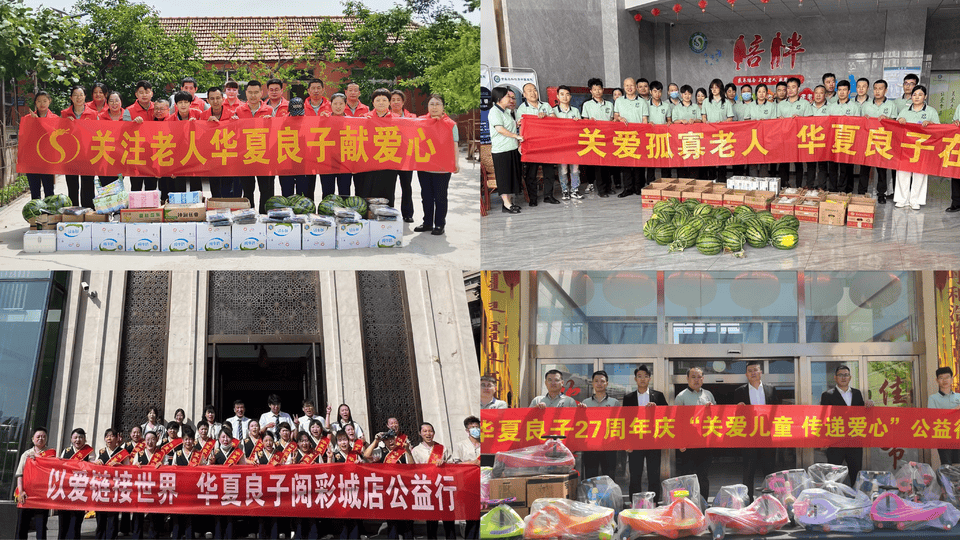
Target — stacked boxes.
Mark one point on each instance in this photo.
(74, 236)
(211, 238)
(353, 235)
(861, 211)
(178, 237)
(109, 237)
(759, 200)
(527, 489)
(833, 210)
(807, 210)
(284, 236)
(143, 237)
(652, 194)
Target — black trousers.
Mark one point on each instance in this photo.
(250, 183)
(223, 527)
(549, 180)
(853, 457)
(633, 178)
(754, 459)
(397, 527)
(32, 516)
(406, 192)
(697, 461)
(339, 183)
(108, 525)
(348, 528)
(472, 530)
(141, 183)
(80, 189)
(652, 460)
(182, 526)
(864, 180)
(954, 192)
(70, 523)
(433, 193)
(449, 529)
(949, 456)
(595, 462)
(785, 175)
(37, 181)
(841, 176)
(603, 178)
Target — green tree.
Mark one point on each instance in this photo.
(274, 54)
(457, 75)
(123, 42)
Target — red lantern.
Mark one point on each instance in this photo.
(823, 293)
(638, 17)
(703, 5)
(755, 290)
(630, 291)
(655, 11)
(676, 9)
(581, 288)
(691, 290)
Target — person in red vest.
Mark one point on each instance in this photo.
(189, 85)
(184, 112)
(254, 108)
(140, 110)
(380, 183)
(433, 185)
(354, 107)
(275, 97)
(316, 104)
(99, 95)
(79, 188)
(231, 91)
(220, 186)
(37, 180)
(26, 516)
(397, 101)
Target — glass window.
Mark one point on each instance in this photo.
(620, 377)
(576, 379)
(731, 307)
(860, 307)
(822, 375)
(890, 384)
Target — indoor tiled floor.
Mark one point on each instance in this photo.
(606, 234)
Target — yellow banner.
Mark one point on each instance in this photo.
(947, 285)
(500, 294)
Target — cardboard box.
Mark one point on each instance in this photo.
(143, 237)
(862, 207)
(833, 211)
(184, 212)
(674, 191)
(554, 486)
(714, 196)
(108, 237)
(144, 199)
(783, 205)
(235, 203)
(511, 487)
(700, 183)
(141, 215)
(681, 181)
(734, 198)
(210, 238)
(45, 221)
(759, 200)
(522, 511)
(178, 237)
(319, 237)
(651, 194)
(386, 234)
(93, 217)
(353, 235)
(250, 237)
(188, 197)
(40, 242)
(694, 193)
(284, 236)
(74, 218)
(807, 210)
(815, 195)
(74, 236)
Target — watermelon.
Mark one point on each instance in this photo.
(753, 221)
(722, 213)
(661, 205)
(711, 226)
(674, 201)
(650, 226)
(686, 237)
(335, 198)
(680, 219)
(34, 208)
(359, 204)
(709, 244)
(785, 239)
(665, 233)
(57, 201)
(756, 236)
(743, 212)
(664, 213)
(680, 209)
(732, 240)
(276, 202)
(703, 209)
(691, 204)
(767, 219)
(301, 204)
(791, 221)
(326, 207)
(734, 225)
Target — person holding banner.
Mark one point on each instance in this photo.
(355, 108)
(220, 186)
(818, 173)
(505, 142)
(945, 398)
(696, 460)
(554, 396)
(660, 113)
(397, 101)
(762, 108)
(306, 453)
(188, 456)
(792, 107)
(185, 111)
(79, 188)
(955, 183)
(72, 520)
(380, 183)
(644, 397)
(205, 444)
(433, 453)
(597, 108)
(842, 395)
(35, 515)
(113, 454)
(133, 447)
(98, 98)
(468, 450)
(604, 462)
(488, 394)
(843, 106)
(906, 100)
(912, 192)
(228, 455)
(254, 108)
(532, 106)
(253, 442)
(42, 102)
(717, 109)
(172, 436)
(756, 393)
(151, 456)
(882, 108)
(398, 452)
(686, 112)
(568, 174)
(433, 185)
(114, 110)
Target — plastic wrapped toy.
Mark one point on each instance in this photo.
(817, 509)
(950, 478)
(733, 497)
(889, 511)
(501, 522)
(869, 482)
(551, 457)
(822, 473)
(917, 482)
(787, 486)
(564, 519)
(601, 491)
(688, 485)
(645, 499)
(680, 518)
(764, 515)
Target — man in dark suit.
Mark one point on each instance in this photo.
(843, 395)
(756, 393)
(644, 397)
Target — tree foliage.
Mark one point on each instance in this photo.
(457, 75)
(275, 54)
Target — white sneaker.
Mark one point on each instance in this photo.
(565, 196)
(576, 194)
(915, 206)
(901, 205)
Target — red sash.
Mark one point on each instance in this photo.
(395, 455)
(167, 448)
(322, 446)
(49, 452)
(436, 455)
(357, 446)
(277, 458)
(310, 457)
(257, 448)
(289, 450)
(137, 448)
(156, 458)
(353, 457)
(196, 457)
(207, 449)
(234, 456)
(117, 458)
(82, 453)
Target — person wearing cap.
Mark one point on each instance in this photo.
(389, 439)
(301, 184)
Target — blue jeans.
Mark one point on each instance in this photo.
(433, 191)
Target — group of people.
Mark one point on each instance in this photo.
(644, 102)
(275, 439)
(225, 105)
(699, 460)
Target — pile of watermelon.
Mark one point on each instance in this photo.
(357, 204)
(298, 203)
(713, 229)
(50, 205)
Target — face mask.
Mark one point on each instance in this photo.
(747, 96)
(475, 432)
(674, 95)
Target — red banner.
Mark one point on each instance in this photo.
(349, 491)
(283, 146)
(934, 149)
(721, 426)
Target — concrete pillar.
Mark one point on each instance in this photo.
(609, 15)
(343, 345)
(904, 39)
(185, 359)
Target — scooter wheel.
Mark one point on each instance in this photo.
(901, 526)
(826, 528)
(878, 524)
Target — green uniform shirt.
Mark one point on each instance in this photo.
(943, 401)
(560, 401)
(834, 99)
(498, 142)
(788, 109)
(659, 113)
(632, 110)
(887, 108)
(766, 111)
(572, 112)
(902, 103)
(717, 111)
(692, 112)
(607, 401)
(850, 108)
(596, 111)
(689, 397)
(927, 113)
(820, 111)
(524, 109)
(741, 110)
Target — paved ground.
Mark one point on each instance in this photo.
(607, 234)
(458, 248)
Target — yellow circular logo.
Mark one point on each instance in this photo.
(54, 145)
